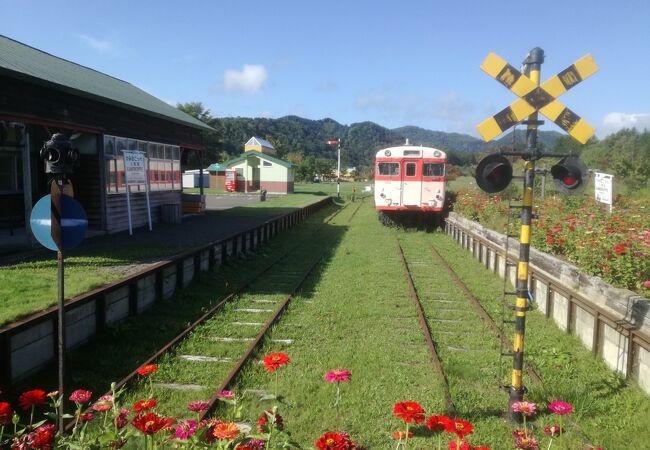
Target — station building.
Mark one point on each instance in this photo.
(41, 94)
(258, 169)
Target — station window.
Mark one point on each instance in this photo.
(12, 138)
(410, 169)
(163, 164)
(433, 170)
(388, 169)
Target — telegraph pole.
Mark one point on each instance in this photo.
(338, 169)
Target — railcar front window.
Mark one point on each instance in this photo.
(388, 169)
(433, 170)
(410, 169)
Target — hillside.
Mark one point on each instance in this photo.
(304, 137)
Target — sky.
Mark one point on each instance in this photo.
(395, 63)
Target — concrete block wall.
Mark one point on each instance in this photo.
(613, 323)
(28, 345)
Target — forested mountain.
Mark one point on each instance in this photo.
(298, 136)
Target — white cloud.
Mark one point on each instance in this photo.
(615, 121)
(100, 46)
(250, 79)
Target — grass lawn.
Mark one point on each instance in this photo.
(29, 287)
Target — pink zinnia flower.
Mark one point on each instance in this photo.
(525, 408)
(103, 403)
(646, 284)
(561, 408)
(185, 429)
(198, 406)
(86, 417)
(81, 396)
(226, 395)
(338, 375)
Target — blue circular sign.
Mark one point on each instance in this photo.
(73, 222)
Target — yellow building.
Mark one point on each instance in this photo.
(259, 145)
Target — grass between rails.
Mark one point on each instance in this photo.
(609, 412)
(355, 313)
(125, 346)
(31, 286)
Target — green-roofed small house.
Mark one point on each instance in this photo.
(42, 94)
(217, 176)
(256, 171)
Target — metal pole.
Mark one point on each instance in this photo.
(338, 170)
(532, 66)
(56, 217)
(61, 337)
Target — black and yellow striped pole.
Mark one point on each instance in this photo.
(532, 66)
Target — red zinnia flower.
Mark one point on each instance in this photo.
(122, 419)
(151, 423)
(437, 423)
(409, 411)
(44, 437)
(334, 441)
(146, 370)
(275, 360)
(464, 445)
(263, 425)
(552, 430)
(6, 413)
(619, 249)
(459, 427)
(32, 398)
(81, 396)
(144, 405)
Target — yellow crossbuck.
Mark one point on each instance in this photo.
(537, 98)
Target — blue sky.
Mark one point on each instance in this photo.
(395, 63)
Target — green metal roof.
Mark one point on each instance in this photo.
(22, 61)
(216, 167)
(259, 155)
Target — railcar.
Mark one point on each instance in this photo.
(410, 181)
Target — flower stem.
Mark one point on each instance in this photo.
(406, 438)
(31, 416)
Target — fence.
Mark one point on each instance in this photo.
(613, 323)
(29, 344)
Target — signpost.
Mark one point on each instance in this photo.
(603, 188)
(494, 172)
(135, 172)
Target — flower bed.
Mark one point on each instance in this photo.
(612, 246)
(105, 423)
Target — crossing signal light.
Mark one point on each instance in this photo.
(59, 155)
(570, 175)
(494, 173)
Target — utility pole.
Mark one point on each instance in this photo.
(338, 169)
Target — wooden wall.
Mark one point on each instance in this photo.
(117, 215)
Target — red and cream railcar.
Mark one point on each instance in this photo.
(410, 178)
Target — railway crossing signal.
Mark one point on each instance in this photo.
(533, 97)
(570, 175)
(494, 172)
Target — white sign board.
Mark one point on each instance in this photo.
(603, 186)
(135, 167)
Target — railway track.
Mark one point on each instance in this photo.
(227, 335)
(446, 318)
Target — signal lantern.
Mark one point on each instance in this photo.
(570, 175)
(59, 156)
(494, 173)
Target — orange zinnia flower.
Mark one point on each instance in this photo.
(225, 430)
(146, 370)
(275, 360)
